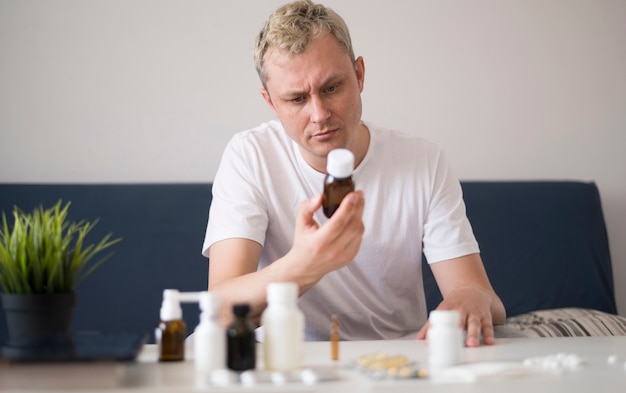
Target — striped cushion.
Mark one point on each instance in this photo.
(568, 322)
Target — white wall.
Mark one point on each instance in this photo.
(151, 90)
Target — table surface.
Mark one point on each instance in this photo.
(595, 374)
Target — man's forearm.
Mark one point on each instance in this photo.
(251, 288)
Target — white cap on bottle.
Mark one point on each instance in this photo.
(170, 308)
(282, 292)
(340, 163)
(445, 317)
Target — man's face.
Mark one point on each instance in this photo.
(317, 97)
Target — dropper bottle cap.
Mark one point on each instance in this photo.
(209, 303)
(340, 163)
(170, 308)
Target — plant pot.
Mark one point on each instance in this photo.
(38, 325)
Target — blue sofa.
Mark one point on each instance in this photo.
(544, 245)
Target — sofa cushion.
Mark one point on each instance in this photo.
(568, 322)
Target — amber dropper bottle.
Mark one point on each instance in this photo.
(338, 181)
(170, 334)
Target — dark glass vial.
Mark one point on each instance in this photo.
(241, 341)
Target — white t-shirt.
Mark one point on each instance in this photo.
(412, 203)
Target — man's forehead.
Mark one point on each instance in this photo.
(332, 56)
(324, 42)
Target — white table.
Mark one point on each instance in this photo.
(147, 374)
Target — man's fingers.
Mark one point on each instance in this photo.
(476, 327)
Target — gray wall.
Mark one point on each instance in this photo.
(151, 90)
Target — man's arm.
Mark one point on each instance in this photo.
(315, 251)
(465, 286)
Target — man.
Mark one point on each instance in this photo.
(364, 263)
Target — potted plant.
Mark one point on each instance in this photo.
(43, 257)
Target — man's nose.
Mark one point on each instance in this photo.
(319, 110)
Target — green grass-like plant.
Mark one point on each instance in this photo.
(44, 253)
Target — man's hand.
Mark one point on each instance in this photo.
(466, 288)
(474, 306)
(317, 250)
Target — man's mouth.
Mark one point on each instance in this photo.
(325, 134)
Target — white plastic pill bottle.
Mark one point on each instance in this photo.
(283, 325)
(445, 338)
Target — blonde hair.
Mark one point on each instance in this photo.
(291, 27)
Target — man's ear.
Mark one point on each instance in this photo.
(359, 67)
(267, 98)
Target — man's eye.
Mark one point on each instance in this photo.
(297, 100)
(331, 89)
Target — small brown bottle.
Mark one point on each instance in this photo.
(241, 340)
(338, 181)
(170, 334)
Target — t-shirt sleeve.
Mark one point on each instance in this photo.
(447, 231)
(237, 208)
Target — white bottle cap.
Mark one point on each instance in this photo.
(170, 308)
(282, 292)
(340, 163)
(445, 317)
(209, 303)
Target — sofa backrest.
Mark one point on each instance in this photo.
(544, 244)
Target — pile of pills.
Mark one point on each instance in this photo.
(560, 362)
(381, 365)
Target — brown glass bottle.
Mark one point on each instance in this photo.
(241, 341)
(338, 181)
(335, 190)
(171, 340)
(171, 331)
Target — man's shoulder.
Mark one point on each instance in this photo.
(395, 138)
(265, 136)
(263, 130)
